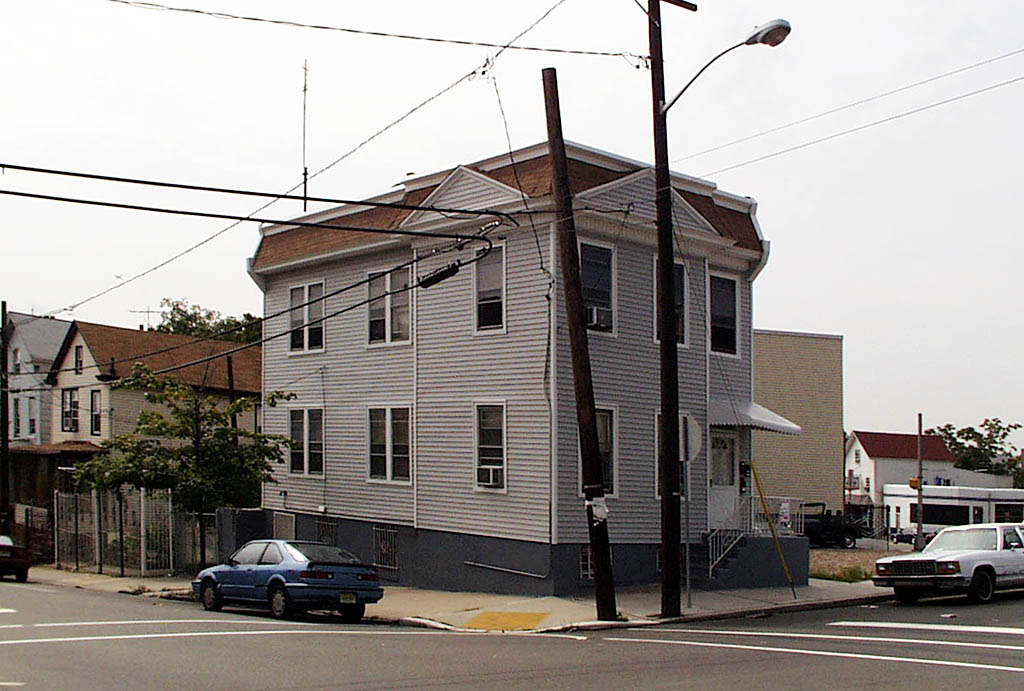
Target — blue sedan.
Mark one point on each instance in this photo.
(291, 575)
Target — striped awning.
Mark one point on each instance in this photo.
(726, 413)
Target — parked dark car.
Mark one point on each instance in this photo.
(289, 576)
(825, 529)
(14, 560)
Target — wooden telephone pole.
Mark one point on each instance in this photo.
(568, 255)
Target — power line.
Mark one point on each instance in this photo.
(330, 165)
(366, 32)
(838, 109)
(252, 193)
(836, 135)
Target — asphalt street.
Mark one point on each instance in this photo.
(63, 638)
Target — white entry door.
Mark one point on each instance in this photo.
(725, 485)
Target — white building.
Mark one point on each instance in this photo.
(948, 505)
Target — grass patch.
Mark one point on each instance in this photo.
(847, 565)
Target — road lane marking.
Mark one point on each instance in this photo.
(12, 683)
(930, 627)
(278, 632)
(129, 622)
(831, 637)
(4, 610)
(823, 653)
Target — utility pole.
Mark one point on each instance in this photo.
(568, 253)
(919, 542)
(668, 451)
(5, 457)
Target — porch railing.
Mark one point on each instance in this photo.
(750, 518)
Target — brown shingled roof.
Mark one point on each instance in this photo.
(124, 346)
(889, 445)
(534, 179)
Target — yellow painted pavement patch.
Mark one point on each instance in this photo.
(506, 621)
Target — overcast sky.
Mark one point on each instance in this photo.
(903, 237)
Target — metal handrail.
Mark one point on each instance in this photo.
(749, 518)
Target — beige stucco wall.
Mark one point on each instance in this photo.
(800, 376)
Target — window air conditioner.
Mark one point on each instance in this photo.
(490, 476)
(599, 318)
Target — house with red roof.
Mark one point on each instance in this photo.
(435, 424)
(875, 459)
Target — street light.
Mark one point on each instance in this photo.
(770, 34)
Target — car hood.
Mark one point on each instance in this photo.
(945, 554)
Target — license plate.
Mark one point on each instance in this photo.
(4, 552)
(348, 598)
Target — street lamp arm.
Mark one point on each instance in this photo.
(666, 106)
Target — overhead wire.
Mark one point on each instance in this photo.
(350, 152)
(367, 32)
(847, 106)
(869, 125)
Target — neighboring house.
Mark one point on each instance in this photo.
(874, 459)
(34, 342)
(435, 428)
(800, 376)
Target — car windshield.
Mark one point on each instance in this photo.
(975, 538)
(324, 554)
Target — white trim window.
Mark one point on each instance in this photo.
(15, 417)
(597, 276)
(390, 457)
(32, 416)
(489, 290)
(69, 410)
(79, 359)
(306, 430)
(724, 312)
(388, 310)
(16, 361)
(684, 485)
(607, 439)
(489, 446)
(306, 336)
(95, 412)
(679, 292)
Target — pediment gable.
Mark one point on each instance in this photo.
(638, 189)
(463, 189)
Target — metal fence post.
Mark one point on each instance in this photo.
(56, 524)
(142, 530)
(120, 527)
(97, 519)
(76, 532)
(170, 529)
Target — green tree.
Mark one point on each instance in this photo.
(187, 445)
(986, 448)
(180, 317)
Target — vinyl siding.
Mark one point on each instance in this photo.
(626, 370)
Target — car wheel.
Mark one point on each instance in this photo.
(280, 604)
(848, 540)
(21, 576)
(352, 614)
(982, 586)
(907, 596)
(209, 595)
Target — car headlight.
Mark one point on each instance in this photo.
(882, 569)
(947, 567)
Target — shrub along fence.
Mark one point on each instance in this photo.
(130, 532)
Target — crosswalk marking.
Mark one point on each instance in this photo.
(854, 639)
(1006, 630)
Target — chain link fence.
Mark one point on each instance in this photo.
(136, 532)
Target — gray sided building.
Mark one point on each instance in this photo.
(435, 428)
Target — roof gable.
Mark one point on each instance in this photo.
(116, 350)
(889, 445)
(637, 191)
(464, 188)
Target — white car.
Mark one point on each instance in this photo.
(975, 559)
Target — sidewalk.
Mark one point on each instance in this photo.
(489, 612)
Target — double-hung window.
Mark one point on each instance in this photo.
(69, 410)
(724, 322)
(596, 276)
(306, 430)
(31, 416)
(307, 310)
(679, 299)
(389, 307)
(79, 359)
(95, 412)
(490, 290)
(605, 418)
(390, 457)
(15, 417)
(490, 446)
